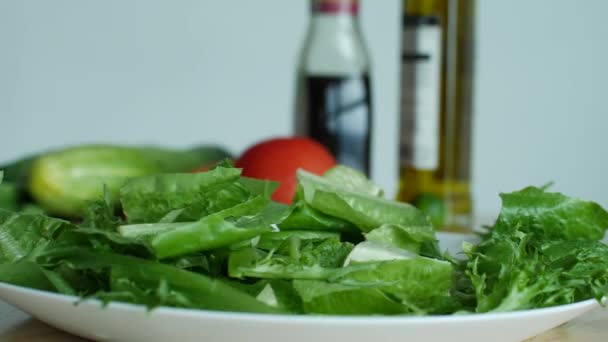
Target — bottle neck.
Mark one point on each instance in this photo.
(332, 24)
(334, 43)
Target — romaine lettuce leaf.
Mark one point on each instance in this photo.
(274, 240)
(369, 251)
(24, 236)
(221, 229)
(25, 273)
(319, 297)
(364, 211)
(388, 287)
(369, 213)
(407, 280)
(158, 284)
(303, 216)
(148, 199)
(352, 180)
(394, 235)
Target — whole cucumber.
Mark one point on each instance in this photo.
(64, 181)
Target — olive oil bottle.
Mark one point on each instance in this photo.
(436, 110)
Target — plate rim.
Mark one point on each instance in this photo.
(587, 304)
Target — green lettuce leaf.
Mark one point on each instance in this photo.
(292, 260)
(352, 180)
(551, 215)
(275, 240)
(25, 273)
(221, 229)
(369, 251)
(542, 251)
(303, 216)
(407, 280)
(152, 283)
(101, 214)
(394, 235)
(319, 297)
(369, 213)
(364, 211)
(25, 236)
(148, 199)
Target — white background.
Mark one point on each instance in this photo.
(191, 71)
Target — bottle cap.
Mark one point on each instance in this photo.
(335, 6)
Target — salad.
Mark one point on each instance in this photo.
(216, 240)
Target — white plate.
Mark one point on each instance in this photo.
(133, 323)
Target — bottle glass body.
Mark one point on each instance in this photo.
(333, 91)
(436, 110)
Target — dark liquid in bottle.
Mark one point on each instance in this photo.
(339, 117)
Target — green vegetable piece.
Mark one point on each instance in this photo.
(148, 199)
(352, 180)
(25, 236)
(18, 171)
(320, 297)
(275, 239)
(369, 251)
(433, 206)
(393, 235)
(220, 229)
(170, 285)
(304, 216)
(63, 181)
(366, 212)
(369, 213)
(541, 252)
(172, 160)
(407, 280)
(309, 261)
(8, 196)
(25, 273)
(552, 215)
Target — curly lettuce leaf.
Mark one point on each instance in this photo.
(542, 251)
(550, 215)
(292, 260)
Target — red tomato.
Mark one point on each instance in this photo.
(278, 159)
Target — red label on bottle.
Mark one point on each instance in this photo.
(336, 6)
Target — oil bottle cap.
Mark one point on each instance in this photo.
(335, 6)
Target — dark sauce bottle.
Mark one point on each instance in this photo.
(333, 94)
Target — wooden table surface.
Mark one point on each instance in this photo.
(17, 326)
